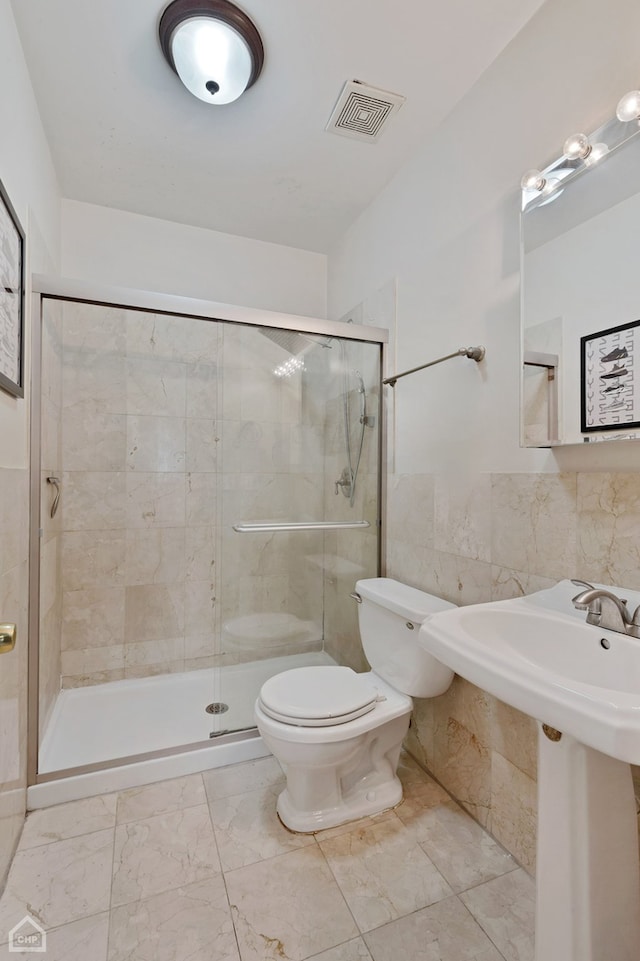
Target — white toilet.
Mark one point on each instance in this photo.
(338, 734)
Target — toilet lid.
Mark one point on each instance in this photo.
(317, 696)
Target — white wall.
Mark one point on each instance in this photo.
(130, 250)
(447, 227)
(27, 172)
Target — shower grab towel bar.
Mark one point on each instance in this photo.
(473, 353)
(270, 527)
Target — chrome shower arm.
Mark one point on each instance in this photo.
(473, 353)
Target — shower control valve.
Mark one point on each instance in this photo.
(344, 482)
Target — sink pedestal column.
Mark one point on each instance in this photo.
(588, 875)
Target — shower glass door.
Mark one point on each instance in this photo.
(209, 495)
(127, 642)
(299, 484)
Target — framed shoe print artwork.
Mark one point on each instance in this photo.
(610, 390)
(11, 299)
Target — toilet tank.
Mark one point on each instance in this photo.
(389, 617)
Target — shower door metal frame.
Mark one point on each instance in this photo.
(54, 288)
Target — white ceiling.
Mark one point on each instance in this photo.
(125, 133)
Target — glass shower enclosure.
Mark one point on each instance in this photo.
(208, 493)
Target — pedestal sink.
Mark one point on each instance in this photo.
(582, 684)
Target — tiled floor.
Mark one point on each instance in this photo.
(200, 869)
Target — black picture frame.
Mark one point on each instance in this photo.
(609, 388)
(12, 297)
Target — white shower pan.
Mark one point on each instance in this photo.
(121, 719)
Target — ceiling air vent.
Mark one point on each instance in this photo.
(362, 112)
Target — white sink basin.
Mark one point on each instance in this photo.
(538, 654)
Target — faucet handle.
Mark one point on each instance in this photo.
(587, 586)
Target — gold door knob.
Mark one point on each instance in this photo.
(7, 638)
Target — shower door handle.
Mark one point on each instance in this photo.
(55, 482)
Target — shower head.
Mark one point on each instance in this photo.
(293, 342)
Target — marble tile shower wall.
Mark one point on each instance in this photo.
(139, 446)
(175, 429)
(14, 586)
(354, 555)
(350, 554)
(491, 537)
(273, 470)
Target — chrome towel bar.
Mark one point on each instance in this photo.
(269, 527)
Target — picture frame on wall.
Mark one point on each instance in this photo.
(610, 390)
(12, 241)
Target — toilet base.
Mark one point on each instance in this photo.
(340, 772)
(365, 800)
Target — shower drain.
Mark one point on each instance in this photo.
(216, 708)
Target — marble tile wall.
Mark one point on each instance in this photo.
(490, 537)
(283, 451)
(272, 471)
(140, 434)
(14, 586)
(173, 431)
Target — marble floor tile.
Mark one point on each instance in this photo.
(355, 950)
(83, 940)
(199, 868)
(248, 829)
(191, 923)
(69, 820)
(161, 798)
(360, 825)
(505, 909)
(383, 873)
(59, 882)
(442, 932)
(463, 853)
(288, 907)
(416, 783)
(248, 776)
(161, 853)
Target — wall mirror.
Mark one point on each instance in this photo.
(580, 289)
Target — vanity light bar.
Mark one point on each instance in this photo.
(577, 149)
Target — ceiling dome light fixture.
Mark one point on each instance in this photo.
(213, 46)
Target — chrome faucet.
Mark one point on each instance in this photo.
(608, 611)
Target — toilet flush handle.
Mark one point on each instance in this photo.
(356, 597)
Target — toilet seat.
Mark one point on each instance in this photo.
(317, 696)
